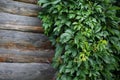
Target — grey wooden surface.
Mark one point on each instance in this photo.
(26, 71)
(19, 8)
(24, 39)
(22, 56)
(25, 52)
(28, 1)
(18, 46)
(20, 23)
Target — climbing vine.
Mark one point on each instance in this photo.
(86, 36)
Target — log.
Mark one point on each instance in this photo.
(6, 18)
(20, 23)
(34, 29)
(24, 40)
(19, 8)
(26, 71)
(20, 56)
(28, 1)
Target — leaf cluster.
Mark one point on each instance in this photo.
(86, 35)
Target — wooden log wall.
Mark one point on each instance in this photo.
(25, 52)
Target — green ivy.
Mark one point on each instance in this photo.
(86, 36)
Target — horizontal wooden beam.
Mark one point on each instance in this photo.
(24, 40)
(34, 29)
(18, 46)
(20, 56)
(20, 23)
(6, 18)
(19, 8)
(26, 71)
(28, 1)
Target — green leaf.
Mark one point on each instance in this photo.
(97, 29)
(62, 69)
(71, 16)
(66, 36)
(43, 1)
(63, 77)
(58, 51)
(56, 1)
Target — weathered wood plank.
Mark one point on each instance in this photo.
(24, 40)
(34, 29)
(24, 47)
(16, 55)
(28, 1)
(20, 23)
(19, 8)
(6, 18)
(26, 71)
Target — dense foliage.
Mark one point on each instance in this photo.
(86, 36)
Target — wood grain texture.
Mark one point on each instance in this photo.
(6, 18)
(25, 56)
(19, 8)
(34, 29)
(20, 23)
(24, 40)
(26, 71)
(28, 1)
